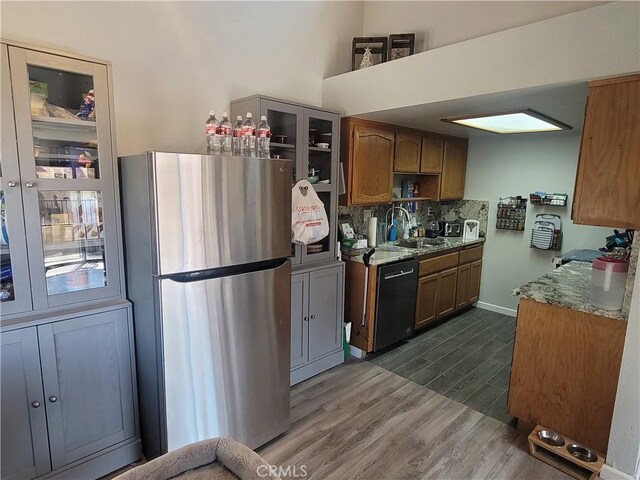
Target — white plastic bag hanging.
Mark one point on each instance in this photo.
(309, 223)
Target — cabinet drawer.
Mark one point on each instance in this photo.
(470, 255)
(438, 264)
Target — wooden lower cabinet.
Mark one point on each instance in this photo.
(475, 272)
(447, 292)
(427, 301)
(565, 370)
(462, 288)
(436, 297)
(468, 284)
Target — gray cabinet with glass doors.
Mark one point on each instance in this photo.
(60, 240)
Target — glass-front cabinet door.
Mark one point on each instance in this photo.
(66, 166)
(285, 121)
(15, 293)
(320, 158)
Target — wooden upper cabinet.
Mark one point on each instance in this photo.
(407, 154)
(607, 190)
(431, 156)
(367, 157)
(454, 166)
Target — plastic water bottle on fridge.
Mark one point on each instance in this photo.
(249, 136)
(226, 134)
(211, 127)
(264, 138)
(236, 141)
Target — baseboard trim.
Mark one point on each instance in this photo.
(610, 473)
(317, 366)
(496, 308)
(356, 352)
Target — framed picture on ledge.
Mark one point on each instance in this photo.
(401, 45)
(368, 51)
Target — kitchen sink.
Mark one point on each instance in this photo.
(420, 242)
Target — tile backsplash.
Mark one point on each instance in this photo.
(447, 211)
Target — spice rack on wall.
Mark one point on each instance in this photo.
(511, 213)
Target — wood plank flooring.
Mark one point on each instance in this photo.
(360, 421)
(467, 358)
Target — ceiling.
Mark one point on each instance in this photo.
(564, 103)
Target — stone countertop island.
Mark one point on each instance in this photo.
(567, 286)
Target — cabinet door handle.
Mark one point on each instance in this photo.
(35, 404)
(306, 319)
(53, 399)
(29, 184)
(312, 317)
(12, 183)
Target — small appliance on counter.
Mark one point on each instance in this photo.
(471, 230)
(452, 229)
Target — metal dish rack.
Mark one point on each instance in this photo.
(540, 239)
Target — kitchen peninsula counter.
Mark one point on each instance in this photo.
(567, 286)
(566, 357)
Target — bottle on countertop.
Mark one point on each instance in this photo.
(393, 232)
(249, 136)
(211, 131)
(236, 143)
(226, 134)
(264, 137)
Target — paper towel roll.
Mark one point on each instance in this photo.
(372, 231)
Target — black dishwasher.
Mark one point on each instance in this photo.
(395, 302)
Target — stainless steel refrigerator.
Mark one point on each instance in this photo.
(206, 245)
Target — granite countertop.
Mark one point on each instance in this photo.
(566, 286)
(388, 253)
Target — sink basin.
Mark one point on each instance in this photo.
(420, 242)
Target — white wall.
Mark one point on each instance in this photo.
(501, 166)
(437, 24)
(174, 61)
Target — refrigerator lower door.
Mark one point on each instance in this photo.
(226, 357)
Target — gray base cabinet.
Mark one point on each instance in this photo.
(24, 447)
(317, 311)
(67, 392)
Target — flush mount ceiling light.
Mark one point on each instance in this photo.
(523, 120)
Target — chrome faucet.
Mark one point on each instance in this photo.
(392, 210)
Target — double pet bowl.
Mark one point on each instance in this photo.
(564, 454)
(555, 440)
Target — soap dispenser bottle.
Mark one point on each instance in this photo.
(393, 232)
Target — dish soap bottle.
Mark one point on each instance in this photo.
(393, 232)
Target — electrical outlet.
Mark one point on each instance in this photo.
(366, 214)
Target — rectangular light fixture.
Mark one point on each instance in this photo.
(523, 120)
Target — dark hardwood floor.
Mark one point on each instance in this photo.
(467, 358)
